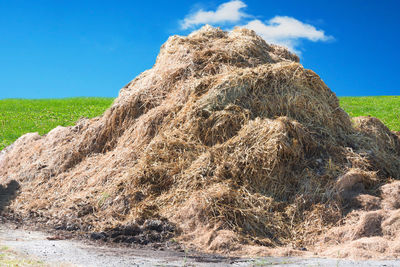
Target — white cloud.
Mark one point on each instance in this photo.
(286, 31)
(281, 30)
(228, 12)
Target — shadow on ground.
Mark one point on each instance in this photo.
(7, 194)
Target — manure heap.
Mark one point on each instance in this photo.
(227, 144)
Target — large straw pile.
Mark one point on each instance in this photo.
(229, 139)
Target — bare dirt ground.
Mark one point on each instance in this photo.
(55, 250)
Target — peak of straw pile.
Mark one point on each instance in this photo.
(230, 140)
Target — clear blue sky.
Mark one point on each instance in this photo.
(93, 48)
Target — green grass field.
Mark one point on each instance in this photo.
(20, 116)
(386, 108)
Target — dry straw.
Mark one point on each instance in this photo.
(228, 137)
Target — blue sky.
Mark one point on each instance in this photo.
(93, 48)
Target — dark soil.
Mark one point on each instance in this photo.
(150, 233)
(156, 233)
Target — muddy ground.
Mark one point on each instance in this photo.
(60, 250)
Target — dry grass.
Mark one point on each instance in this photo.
(226, 136)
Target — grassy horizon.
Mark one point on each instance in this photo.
(20, 116)
(385, 108)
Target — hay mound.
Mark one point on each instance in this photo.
(227, 138)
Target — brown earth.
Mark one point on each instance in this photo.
(229, 141)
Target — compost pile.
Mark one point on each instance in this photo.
(230, 144)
